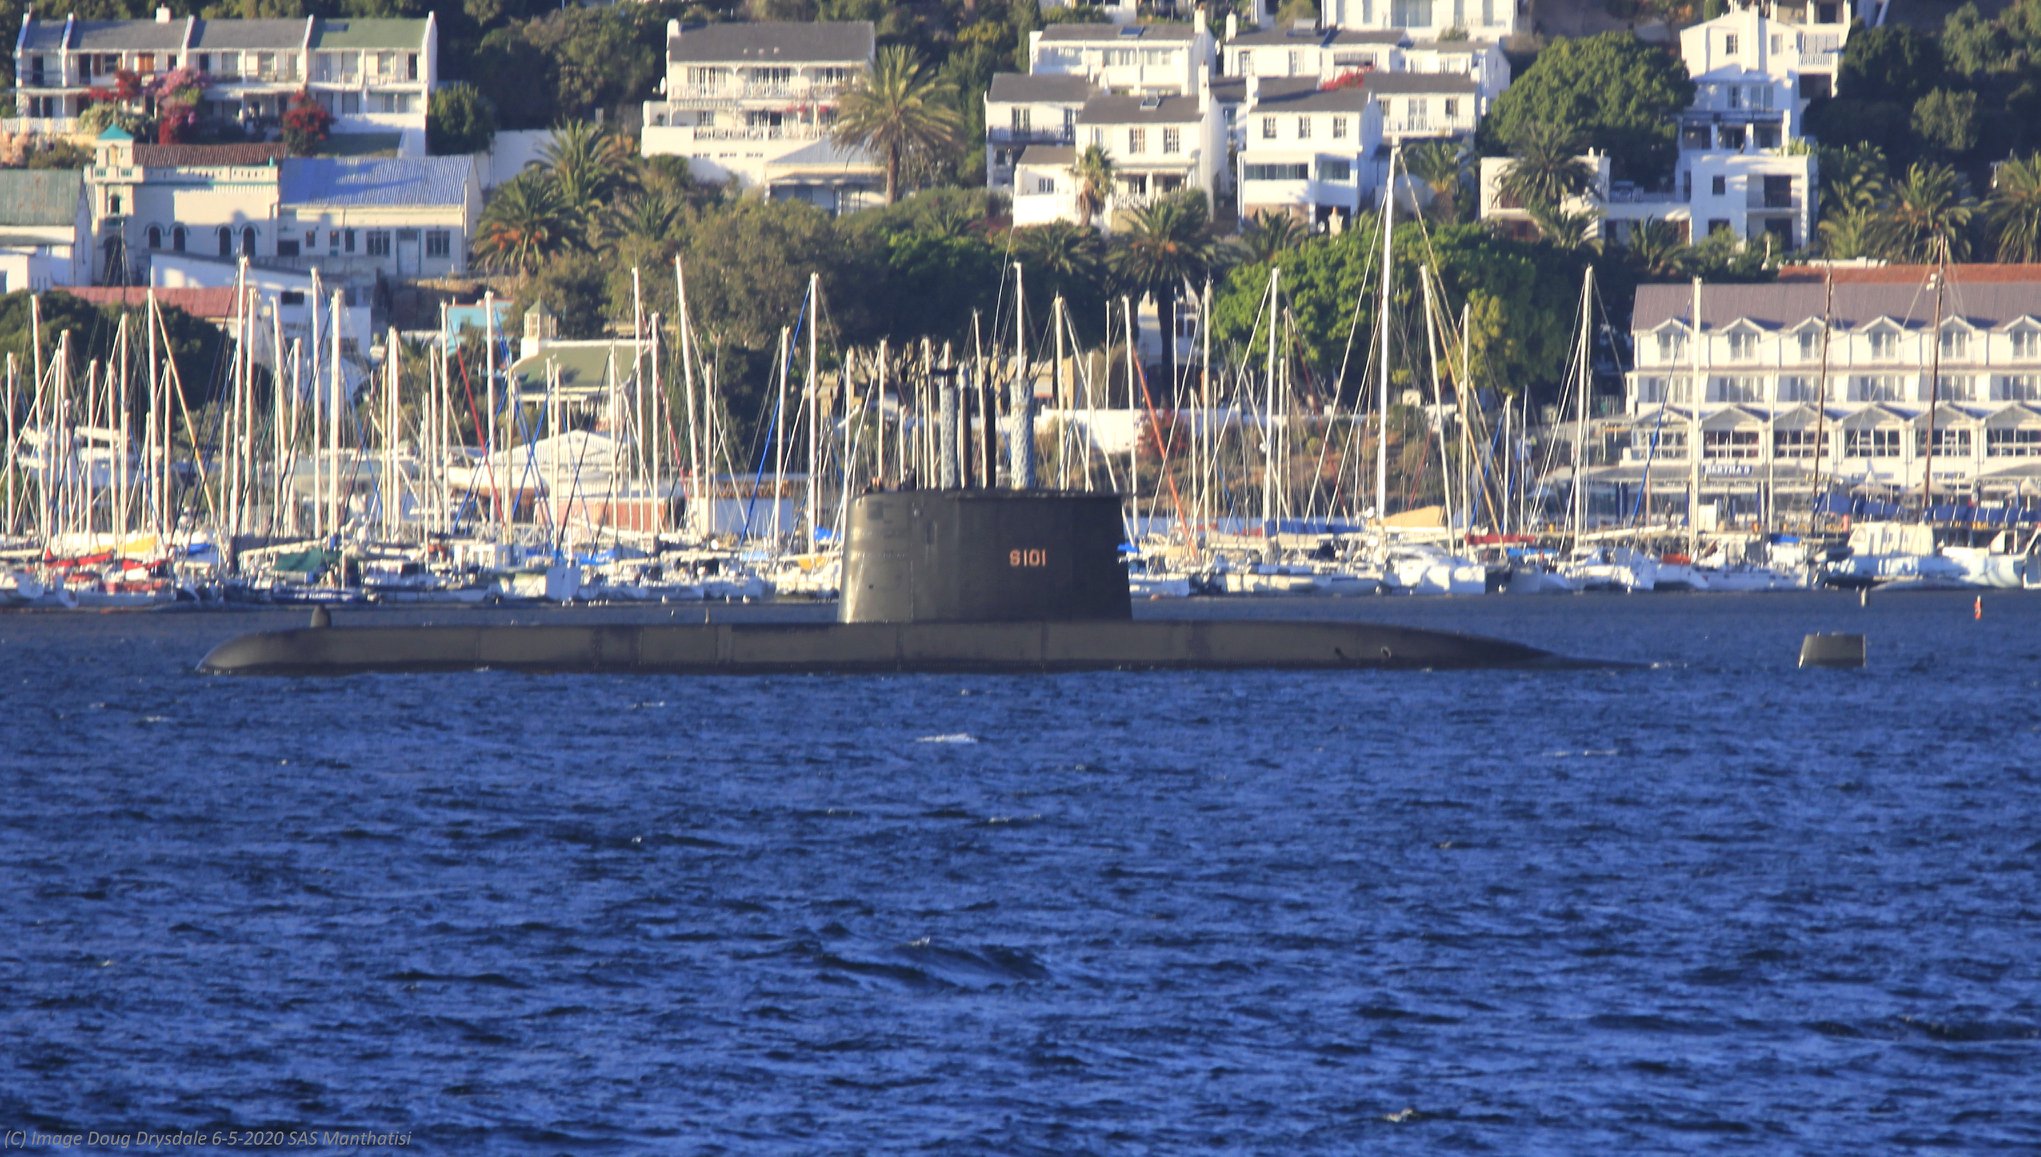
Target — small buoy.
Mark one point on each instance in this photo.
(321, 617)
(1977, 608)
(1823, 650)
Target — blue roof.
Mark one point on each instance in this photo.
(376, 181)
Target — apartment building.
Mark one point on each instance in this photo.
(1023, 110)
(1309, 152)
(755, 102)
(1492, 20)
(1773, 385)
(1330, 53)
(1136, 59)
(374, 75)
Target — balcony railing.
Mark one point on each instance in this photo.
(792, 132)
(754, 90)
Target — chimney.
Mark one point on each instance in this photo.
(673, 30)
(1199, 25)
(1253, 92)
(1232, 27)
(162, 15)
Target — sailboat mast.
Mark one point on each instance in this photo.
(1382, 402)
(814, 411)
(1934, 384)
(1580, 360)
(1697, 389)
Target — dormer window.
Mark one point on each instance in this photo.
(1884, 345)
(1955, 344)
(1743, 345)
(2026, 343)
(1672, 346)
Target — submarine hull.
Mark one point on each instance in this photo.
(778, 648)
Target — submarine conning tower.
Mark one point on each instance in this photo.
(984, 556)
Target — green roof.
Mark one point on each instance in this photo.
(359, 32)
(584, 366)
(40, 196)
(116, 133)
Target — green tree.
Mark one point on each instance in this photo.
(1163, 245)
(571, 288)
(525, 224)
(2013, 210)
(1443, 167)
(1546, 171)
(1891, 62)
(1268, 234)
(1929, 206)
(1612, 89)
(459, 120)
(1946, 121)
(1658, 250)
(589, 166)
(1976, 47)
(1094, 173)
(898, 113)
(1067, 261)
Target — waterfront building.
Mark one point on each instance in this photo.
(1776, 389)
(755, 102)
(375, 75)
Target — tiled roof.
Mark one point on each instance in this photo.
(42, 35)
(39, 197)
(209, 156)
(1985, 296)
(215, 35)
(1118, 33)
(1018, 87)
(359, 32)
(1114, 109)
(839, 42)
(377, 181)
(212, 304)
(1056, 156)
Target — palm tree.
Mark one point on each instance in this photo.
(1268, 234)
(1441, 165)
(1656, 247)
(525, 224)
(898, 112)
(2014, 209)
(588, 164)
(1094, 173)
(1165, 244)
(651, 214)
(1929, 206)
(1547, 169)
(1061, 250)
(1849, 233)
(1568, 229)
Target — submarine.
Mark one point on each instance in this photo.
(934, 581)
(956, 578)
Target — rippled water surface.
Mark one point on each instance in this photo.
(1715, 904)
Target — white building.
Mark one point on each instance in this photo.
(45, 229)
(1158, 144)
(755, 102)
(374, 75)
(1330, 53)
(1441, 19)
(1764, 199)
(1308, 152)
(290, 293)
(1022, 110)
(1141, 59)
(1765, 396)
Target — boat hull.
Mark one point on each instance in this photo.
(753, 648)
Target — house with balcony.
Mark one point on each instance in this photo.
(1490, 20)
(369, 220)
(374, 75)
(738, 99)
(1136, 59)
(1025, 110)
(45, 229)
(1774, 386)
(1330, 53)
(1309, 152)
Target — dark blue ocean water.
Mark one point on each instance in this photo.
(1714, 905)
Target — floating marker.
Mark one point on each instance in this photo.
(1977, 608)
(1823, 650)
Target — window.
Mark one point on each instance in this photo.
(1452, 108)
(2014, 442)
(438, 243)
(248, 241)
(1729, 43)
(1042, 185)
(1793, 444)
(1339, 128)
(1739, 388)
(1303, 128)
(1743, 346)
(286, 247)
(1650, 391)
(1299, 172)
(1719, 186)
(1098, 137)
(292, 297)
(347, 240)
(1955, 344)
(2026, 343)
(1335, 170)
(1949, 443)
(1022, 120)
(1672, 346)
(226, 241)
(113, 205)
(333, 242)
(1877, 442)
(1879, 388)
(177, 238)
(1796, 388)
(1884, 345)
(1137, 140)
(155, 237)
(1729, 443)
(1718, 225)
(1268, 128)
(1172, 141)
(377, 242)
(2019, 388)
(1810, 345)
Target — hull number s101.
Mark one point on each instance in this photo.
(1027, 558)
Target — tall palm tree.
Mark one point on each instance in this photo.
(1061, 250)
(525, 224)
(2014, 209)
(1656, 247)
(1165, 244)
(1094, 173)
(1930, 205)
(589, 164)
(1442, 166)
(649, 214)
(1849, 233)
(1547, 170)
(1568, 229)
(1268, 234)
(899, 112)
